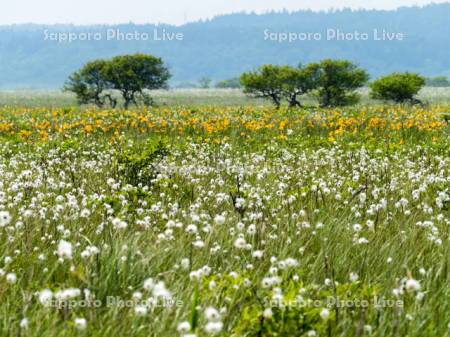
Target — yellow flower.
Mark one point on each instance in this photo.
(25, 134)
(88, 128)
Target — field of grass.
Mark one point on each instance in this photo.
(54, 98)
(186, 97)
(223, 220)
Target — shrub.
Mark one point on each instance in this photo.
(232, 83)
(204, 82)
(137, 167)
(438, 81)
(398, 87)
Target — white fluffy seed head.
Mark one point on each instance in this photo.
(412, 285)
(65, 250)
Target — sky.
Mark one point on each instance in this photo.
(166, 11)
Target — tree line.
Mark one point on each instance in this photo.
(333, 82)
(235, 44)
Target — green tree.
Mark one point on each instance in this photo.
(438, 81)
(232, 83)
(337, 81)
(398, 87)
(297, 82)
(132, 75)
(90, 85)
(266, 82)
(204, 82)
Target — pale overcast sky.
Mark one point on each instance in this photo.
(165, 11)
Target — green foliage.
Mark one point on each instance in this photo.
(232, 83)
(205, 82)
(337, 82)
(299, 311)
(438, 81)
(398, 87)
(90, 83)
(131, 75)
(137, 166)
(194, 309)
(298, 81)
(134, 195)
(266, 82)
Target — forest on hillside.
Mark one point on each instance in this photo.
(228, 45)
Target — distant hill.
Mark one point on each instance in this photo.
(227, 45)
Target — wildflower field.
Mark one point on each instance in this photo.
(225, 221)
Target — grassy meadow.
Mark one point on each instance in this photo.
(187, 97)
(202, 218)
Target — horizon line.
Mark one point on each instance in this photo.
(329, 10)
